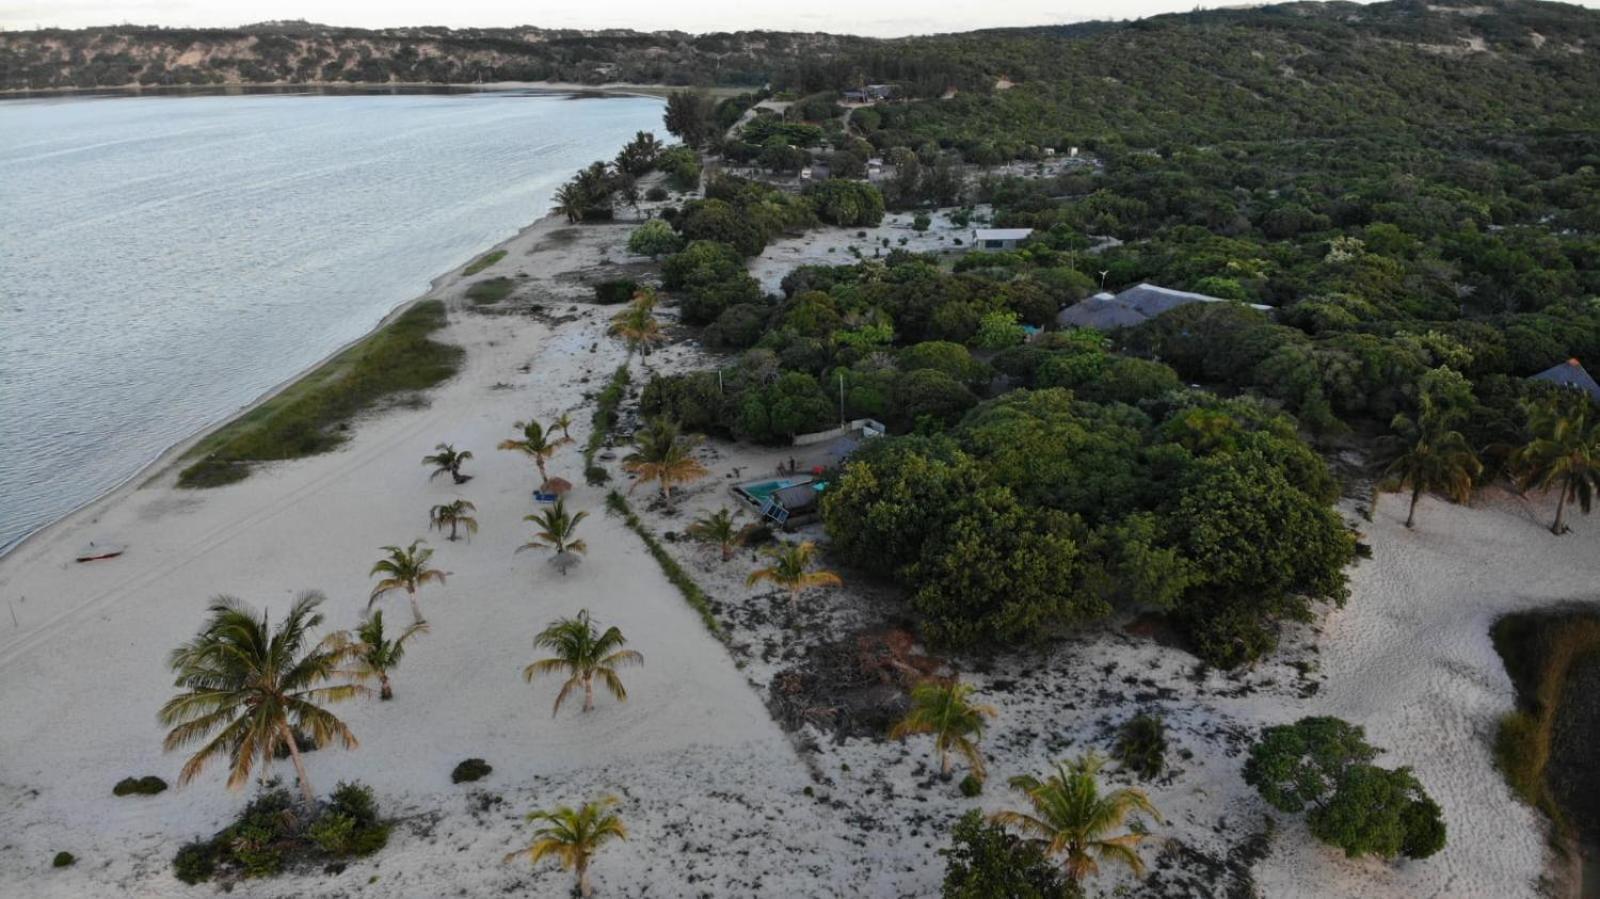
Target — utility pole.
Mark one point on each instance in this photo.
(841, 399)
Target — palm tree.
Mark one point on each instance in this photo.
(636, 325)
(582, 653)
(663, 455)
(789, 571)
(455, 514)
(564, 422)
(572, 201)
(447, 460)
(255, 688)
(941, 708)
(1073, 819)
(573, 836)
(557, 534)
(536, 443)
(1425, 456)
(376, 655)
(1564, 454)
(717, 529)
(405, 568)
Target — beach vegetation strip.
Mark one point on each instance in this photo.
(483, 262)
(1546, 654)
(311, 415)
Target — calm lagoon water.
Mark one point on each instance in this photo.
(165, 260)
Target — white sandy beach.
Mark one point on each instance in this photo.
(712, 789)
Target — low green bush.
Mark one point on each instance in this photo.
(1142, 746)
(63, 860)
(971, 786)
(149, 785)
(272, 832)
(618, 290)
(470, 770)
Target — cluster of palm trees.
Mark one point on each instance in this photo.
(1561, 455)
(1069, 814)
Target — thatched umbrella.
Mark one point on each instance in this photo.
(557, 486)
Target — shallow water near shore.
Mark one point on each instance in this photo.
(169, 259)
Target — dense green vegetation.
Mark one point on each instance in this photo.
(1540, 651)
(1325, 764)
(272, 833)
(311, 415)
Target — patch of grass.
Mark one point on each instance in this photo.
(605, 414)
(312, 415)
(490, 291)
(483, 262)
(1539, 650)
(697, 599)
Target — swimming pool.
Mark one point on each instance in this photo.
(760, 490)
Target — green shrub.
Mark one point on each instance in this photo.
(971, 786)
(656, 194)
(654, 238)
(618, 290)
(334, 833)
(195, 862)
(1142, 746)
(921, 222)
(491, 291)
(985, 861)
(63, 860)
(148, 785)
(470, 770)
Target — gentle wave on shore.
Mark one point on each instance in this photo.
(169, 259)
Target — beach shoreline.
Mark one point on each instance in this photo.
(165, 462)
(615, 88)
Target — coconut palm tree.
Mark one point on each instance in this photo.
(404, 569)
(448, 461)
(789, 571)
(663, 455)
(1563, 454)
(1074, 820)
(536, 443)
(572, 201)
(376, 655)
(573, 836)
(1425, 456)
(564, 422)
(636, 326)
(942, 708)
(583, 653)
(455, 514)
(247, 690)
(557, 532)
(718, 529)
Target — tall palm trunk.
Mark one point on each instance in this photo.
(453, 523)
(585, 889)
(306, 792)
(1411, 516)
(727, 551)
(384, 692)
(411, 593)
(588, 693)
(1560, 527)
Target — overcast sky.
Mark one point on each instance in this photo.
(874, 17)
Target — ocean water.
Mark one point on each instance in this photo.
(166, 260)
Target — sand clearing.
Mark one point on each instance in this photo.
(712, 790)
